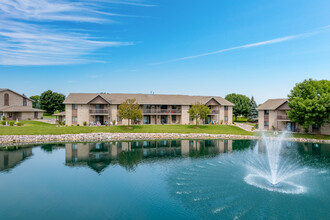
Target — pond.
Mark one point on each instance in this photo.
(187, 179)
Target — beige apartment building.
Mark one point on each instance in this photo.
(96, 108)
(17, 107)
(273, 115)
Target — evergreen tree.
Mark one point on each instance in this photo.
(253, 116)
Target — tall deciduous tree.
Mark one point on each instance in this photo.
(130, 109)
(199, 111)
(253, 116)
(242, 104)
(52, 101)
(310, 103)
(36, 101)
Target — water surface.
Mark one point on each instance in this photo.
(188, 179)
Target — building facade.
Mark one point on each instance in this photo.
(157, 109)
(273, 115)
(15, 106)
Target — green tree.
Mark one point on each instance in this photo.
(242, 104)
(310, 103)
(130, 110)
(36, 101)
(253, 116)
(199, 111)
(51, 101)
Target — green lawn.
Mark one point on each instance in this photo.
(46, 115)
(37, 128)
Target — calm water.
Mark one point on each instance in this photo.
(160, 180)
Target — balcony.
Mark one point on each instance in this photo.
(283, 118)
(162, 111)
(98, 111)
(214, 112)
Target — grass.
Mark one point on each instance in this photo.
(48, 116)
(241, 119)
(40, 128)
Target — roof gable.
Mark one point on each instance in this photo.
(272, 104)
(98, 100)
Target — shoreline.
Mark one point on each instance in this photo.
(14, 140)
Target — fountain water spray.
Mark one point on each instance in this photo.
(269, 170)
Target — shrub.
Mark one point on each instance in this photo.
(221, 122)
(71, 125)
(85, 123)
(3, 118)
(42, 117)
(29, 118)
(3, 122)
(11, 123)
(114, 122)
(78, 125)
(252, 129)
(18, 123)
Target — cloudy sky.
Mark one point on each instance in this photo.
(210, 47)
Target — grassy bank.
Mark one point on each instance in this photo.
(41, 128)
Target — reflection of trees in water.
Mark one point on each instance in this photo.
(239, 145)
(50, 147)
(130, 159)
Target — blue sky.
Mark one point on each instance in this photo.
(209, 47)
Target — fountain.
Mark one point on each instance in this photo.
(271, 171)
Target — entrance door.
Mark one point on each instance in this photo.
(290, 126)
(146, 119)
(163, 119)
(99, 118)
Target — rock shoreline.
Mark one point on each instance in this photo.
(12, 140)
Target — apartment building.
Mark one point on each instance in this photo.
(94, 108)
(15, 106)
(273, 115)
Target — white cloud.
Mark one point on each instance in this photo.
(29, 36)
(262, 43)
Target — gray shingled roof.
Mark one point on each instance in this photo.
(117, 98)
(19, 109)
(272, 104)
(2, 90)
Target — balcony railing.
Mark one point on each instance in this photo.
(282, 117)
(161, 111)
(213, 112)
(98, 111)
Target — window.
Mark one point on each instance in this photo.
(191, 119)
(35, 114)
(266, 112)
(74, 146)
(6, 99)
(266, 123)
(24, 102)
(74, 106)
(315, 128)
(226, 118)
(226, 108)
(173, 118)
(99, 106)
(74, 119)
(119, 119)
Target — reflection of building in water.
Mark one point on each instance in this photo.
(98, 156)
(9, 159)
(316, 148)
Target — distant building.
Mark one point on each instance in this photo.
(17, 107)
(273, 115)
(157, 109)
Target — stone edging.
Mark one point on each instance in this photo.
(11, 140)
